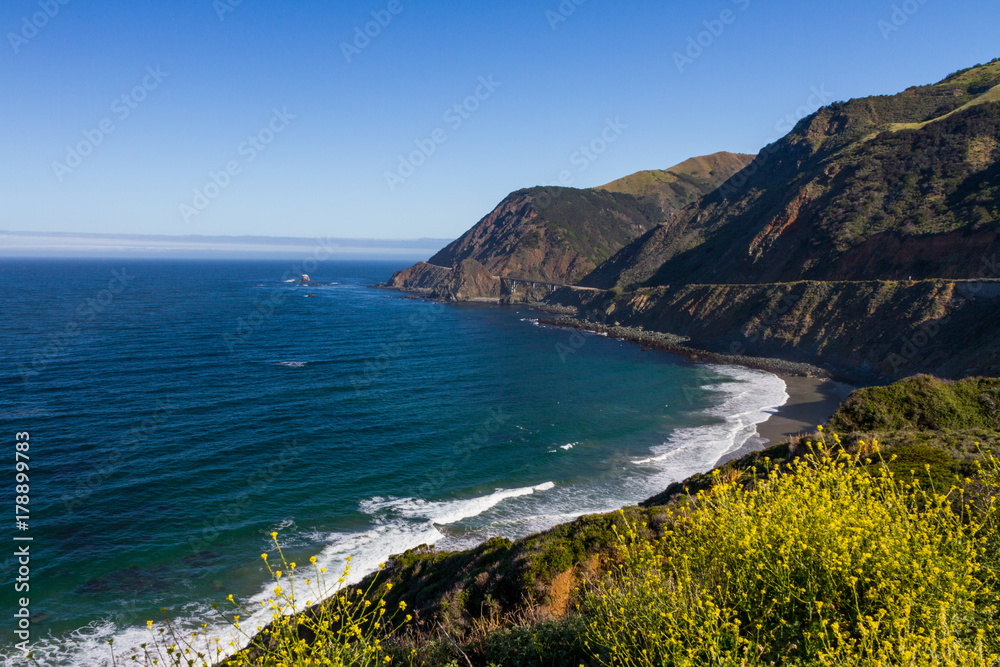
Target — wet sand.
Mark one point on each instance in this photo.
(812, 401)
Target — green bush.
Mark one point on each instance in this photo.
(922, 403)
(545, 644)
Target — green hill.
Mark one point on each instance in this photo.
(683, 184)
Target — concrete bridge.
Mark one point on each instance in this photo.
(512, 286)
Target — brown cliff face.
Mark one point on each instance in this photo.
(421, 277)
(468, 281)
(496, 237)
(552, 235)
(471, 280)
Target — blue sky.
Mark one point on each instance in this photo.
(256, 106)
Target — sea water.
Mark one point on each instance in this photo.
(181, 411)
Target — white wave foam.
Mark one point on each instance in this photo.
(748, 400)
(88, 646)
(569, 446)
(443, 513)
(284, 524)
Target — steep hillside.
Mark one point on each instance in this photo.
(886, 187)
(546, 234)
(551, 234)
(863, 332)
(683, 184)
(559, 235)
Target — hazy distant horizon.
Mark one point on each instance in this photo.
(22, 244)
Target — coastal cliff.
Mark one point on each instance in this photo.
(864, 242)
(890, 187)
(862, 332)
(559, 235)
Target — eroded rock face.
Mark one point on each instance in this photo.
(422, 277)
(468, 281)
(873, 331)
(471, 280)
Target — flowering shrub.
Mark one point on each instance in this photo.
(829, 562)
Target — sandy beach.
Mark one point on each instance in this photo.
(812, 401)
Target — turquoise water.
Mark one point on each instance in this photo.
(181, 412)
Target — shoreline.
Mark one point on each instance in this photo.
(566, 317)
(811, 402)
(654, 340)
(814, 393)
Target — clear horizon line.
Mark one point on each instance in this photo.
(202, 237)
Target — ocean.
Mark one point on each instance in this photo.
(181, 411)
